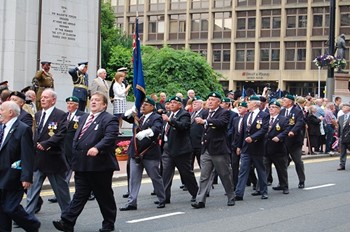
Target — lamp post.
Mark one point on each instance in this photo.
(319, 82)
(331, 50)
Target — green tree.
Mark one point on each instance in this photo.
(111, 36)
(171, 71)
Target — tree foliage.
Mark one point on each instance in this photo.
(170, 71)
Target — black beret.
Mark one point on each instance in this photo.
(18, 94)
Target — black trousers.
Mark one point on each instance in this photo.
(101, 184)
(280, 160)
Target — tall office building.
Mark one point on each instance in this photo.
(253, 43)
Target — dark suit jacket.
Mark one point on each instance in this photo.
(236, 133)
(257, 132)
(215, 133)
(196, 130)
(68, 139)
(26, 117)
(52, 159)
(18, 145)
(296, 121)
(179, 141)
(155, 122)
(77, 76)
(230, 127)
(101, 134)
(279, 129)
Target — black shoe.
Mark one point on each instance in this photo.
(238, 198)
(301, 185)
(231, 202)
(126, 195)
(341, 168)
(92, 197)
(277, 188)
(269, 183)
(198, 205)
(208, 195)
(106, 229)
(38, 205)
(285, 191)
(264, 197)
(15, 225)
(256, 193)
(184, 188)
(193, 199)
(128, 207)
(63, 226)
(161, 205)
(165, 202)
(153, 193)
(52, 200)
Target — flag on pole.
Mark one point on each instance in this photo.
(243, 93)
(139, 81)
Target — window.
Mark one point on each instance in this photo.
(119, 22)
(246, 2)
(270, 2)
(222, 3)
(221, 56)
(296, 22)
(269, 56)
(245, 24)
(136, 6)
(200, 4)
(200, 48)
(177, 46)
(131, 26)
(296, 1)
(199, 26)
(222, 25)
(157, 5)
(178, 4)
(119, 5)
(320, 24)
(177, 27)
(270, 23)
(156, 27)
(345, 20)
(244, 56)
(295, 55)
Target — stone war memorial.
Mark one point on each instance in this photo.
(64, 32)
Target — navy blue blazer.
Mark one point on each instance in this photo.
(297, 123)
(215, 133)
(18, 145)
(154, 122)
(196, 130)
(80, 93)
(257, 132)
(102, 134)
(26, 117)
(279, 129)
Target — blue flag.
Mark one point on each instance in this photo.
(139, 81)
(243, 92)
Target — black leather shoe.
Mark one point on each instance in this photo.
(52, 200)
(277, 188)
(38, 205)
(264, 197)
(285, 191)
(301, 185)
(161, 205)
(106, 229)
(238, 198)
(165, 202)
(63, 226)
(198, 205)
(231, 202)
(128, 207)
(126, 195)
(153, 193)
(256, 193)
(193, 199)
(341, 168)
(92, 196)
(184, 188)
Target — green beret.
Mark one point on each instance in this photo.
(243, 104)
(226, 99)
(196, 98)
(290, 96)
(150, 101)
(214, 94)
(167, 100)
(72, 99)
(175, 98)
(254, 98)
(276, 103)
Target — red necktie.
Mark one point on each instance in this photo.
(86, 126)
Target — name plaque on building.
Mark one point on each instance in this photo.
(256, 75)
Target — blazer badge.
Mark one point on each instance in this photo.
(52, 126)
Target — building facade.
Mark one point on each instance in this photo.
(253, 43)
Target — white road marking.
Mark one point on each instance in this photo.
(319, 186)
(155, 217)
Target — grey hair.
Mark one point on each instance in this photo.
(52, 92)
(101, 70)
(12, 106)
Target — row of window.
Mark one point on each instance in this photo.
(295, 55)
(159, 5)
(246, 22)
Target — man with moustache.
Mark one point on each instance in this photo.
(177, 149)
(93, 163)
(144, 151)
(275, 148)
(251, 148)
(215, 152)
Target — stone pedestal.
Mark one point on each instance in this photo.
(341, 84)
